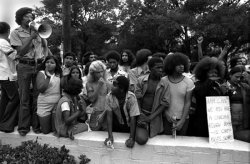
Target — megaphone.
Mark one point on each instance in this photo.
(44, 30)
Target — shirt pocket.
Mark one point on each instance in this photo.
(24, 37)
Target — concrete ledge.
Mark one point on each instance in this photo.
(159, 150)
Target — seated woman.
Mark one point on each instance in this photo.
(97, 89)
(48, 84)
(69, 109)
(237, 87)
(208, 72)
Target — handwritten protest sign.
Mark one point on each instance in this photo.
(219, 119)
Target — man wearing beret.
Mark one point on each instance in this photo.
(31, 49)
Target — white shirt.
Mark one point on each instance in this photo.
(120, 72)
(7, 61)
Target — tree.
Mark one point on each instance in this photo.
(92, 22)
(159, 25)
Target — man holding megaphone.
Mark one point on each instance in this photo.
(31, 50)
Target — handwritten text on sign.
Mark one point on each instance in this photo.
(219, 119)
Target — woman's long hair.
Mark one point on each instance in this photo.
(72, 68)
(58, 70)
(171, 61)
(207, 63)
(96, 66)
(131, 57)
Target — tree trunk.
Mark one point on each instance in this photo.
(66, 6)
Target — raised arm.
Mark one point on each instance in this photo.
(42, 82)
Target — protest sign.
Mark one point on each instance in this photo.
(219, 119)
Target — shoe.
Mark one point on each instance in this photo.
(37, 131)
(22, 133)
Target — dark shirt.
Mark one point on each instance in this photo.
(148, 98)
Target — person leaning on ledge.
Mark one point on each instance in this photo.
(31, 49)
(122, 110)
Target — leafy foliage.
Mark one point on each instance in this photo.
(33, 152)
(92, 23)
(159, 25)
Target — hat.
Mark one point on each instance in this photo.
(21, 12)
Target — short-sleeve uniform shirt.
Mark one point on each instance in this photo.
(130, 107)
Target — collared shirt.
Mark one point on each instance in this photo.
(19, 36)
(130, 107)
(120, 72)
(7, 61)
(134, 74)
(162, 97)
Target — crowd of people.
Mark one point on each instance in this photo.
(145, 94)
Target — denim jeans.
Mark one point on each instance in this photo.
(28, 99)
(9, 105)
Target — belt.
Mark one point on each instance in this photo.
(30, 62)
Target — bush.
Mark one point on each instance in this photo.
(30, 152)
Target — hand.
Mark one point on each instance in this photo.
(224, 88)
(179, 125)
(101, 81)
(130, 143)
(200, 40)
(32, 25)
(81, 105)
(47, 73)
(246, 75)
(144, 118)
(109, 141)
(227, 44)
(66, 71)
(244, 85)
(170, 117)
(211, 45)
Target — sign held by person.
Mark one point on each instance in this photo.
(219, 119)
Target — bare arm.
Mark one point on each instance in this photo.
(109, 123)
(42, 82)
(24, 49)
(199, 45)
(158, 111)
(186, 107)
(69, 119)
(132, 127)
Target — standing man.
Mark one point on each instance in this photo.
(8, 76)
(31, 50)
(141, 68)
(153, 98)
(122, 110)
(68, 61)
(113, 58)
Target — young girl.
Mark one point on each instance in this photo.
(180, 92)
(237, 88)
(48, 84)
(69, 108)
(75, 73)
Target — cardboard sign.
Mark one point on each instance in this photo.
(219, 119)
